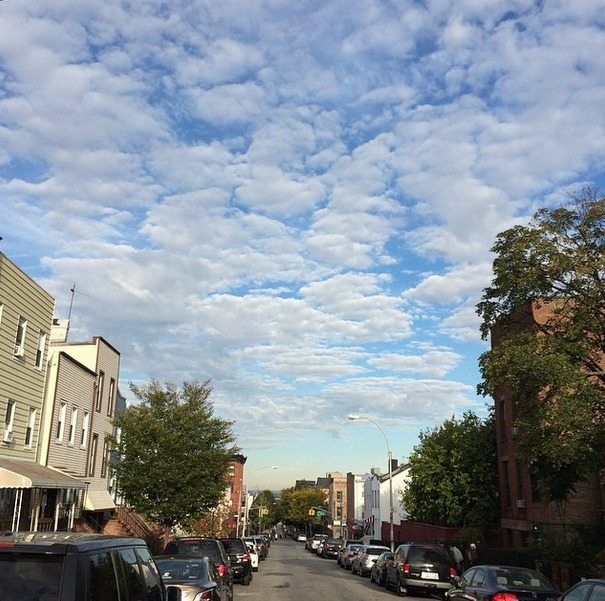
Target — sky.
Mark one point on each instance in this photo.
(293, 200)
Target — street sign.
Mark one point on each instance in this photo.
(265, 511)
(311, 511)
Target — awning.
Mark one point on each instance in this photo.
(98, 500)
(19, 473)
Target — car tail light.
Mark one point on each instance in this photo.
(245, 558)
(205, 596)
(452, 573)
(505, 597)
(222, 569)
(405, 568)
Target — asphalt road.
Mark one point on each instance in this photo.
(292, 574)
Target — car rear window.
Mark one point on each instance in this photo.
(233, 545)
(375, 550)
(428, 555)
(182, 570)
(207, 548)
(30, 577)
(518, 577)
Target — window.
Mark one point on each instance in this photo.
(100, 384)
(9, 420)
(520, 480)
(29, 432)
(92, 463)
(578, 593)
(61, 422)
(72, 426)
(84, 433)
(112, 391)
(153, 582)
(20, 338)
(105, 459)
(506, 485)
(103, 584)
(598, 593)
(40, 349)
(133, 579)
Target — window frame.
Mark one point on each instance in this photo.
(9, 419)
(29, 429)
(92, 464)
(73, 425)
(85, 430)
(60, 431)
(39, 361)
(99, 395)
(20, 335)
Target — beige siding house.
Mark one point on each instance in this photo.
(27, 489)
(81, 399)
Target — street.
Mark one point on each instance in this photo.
(293, 574)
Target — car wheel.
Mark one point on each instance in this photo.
(247, 580)
(401, 590)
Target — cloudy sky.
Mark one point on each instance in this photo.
(295, 200)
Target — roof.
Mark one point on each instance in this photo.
(20, 473)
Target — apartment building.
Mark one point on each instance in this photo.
(32, 496)
(236, 495)
(78, 421)
(524, 513)
(337, 503)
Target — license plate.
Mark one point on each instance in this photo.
(429, 575)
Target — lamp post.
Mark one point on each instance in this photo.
(354, 417)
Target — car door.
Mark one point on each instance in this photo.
(476, 590)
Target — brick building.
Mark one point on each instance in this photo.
(236, 495)
(524, 513)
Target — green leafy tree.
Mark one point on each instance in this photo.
(552, 367)
(263, 510)
(296, 502)
(454, 474)
(172, 457)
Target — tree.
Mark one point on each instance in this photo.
(262, 510)
(296, 502)
(553, 366)
(454, 474)
(173, 453)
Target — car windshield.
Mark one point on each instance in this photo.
(206, 548)
(30, 577)
(181, 570)
(352, 548)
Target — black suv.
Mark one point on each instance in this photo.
(418, 567)
(208, 547)
(67, 566)
(239, 559)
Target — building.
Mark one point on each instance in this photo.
(371, 506)
(355, 504)
(337, 503)
(236, 499)
(78, 418)
(524, 513)
(32, 496)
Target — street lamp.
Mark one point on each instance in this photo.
(354, 417)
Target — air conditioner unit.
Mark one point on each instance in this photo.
(18, 351)
(7, 436)
(521, 503)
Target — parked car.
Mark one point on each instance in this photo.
(205, 547)
(364, 559)
(64, 566)
(313, 543)
(343, 545)
(301, 537)
(504, 583)
(348, 555)
(378, 571)
(253, 552)
(239, 558)
(330, 548)
(588, 590)
(196, 577)
(419, 567)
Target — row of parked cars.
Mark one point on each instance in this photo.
(63, 566)
(423, 568)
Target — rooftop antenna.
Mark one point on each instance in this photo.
(71, 304)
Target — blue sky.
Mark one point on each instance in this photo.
(293, 200)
